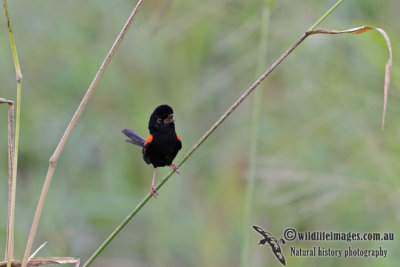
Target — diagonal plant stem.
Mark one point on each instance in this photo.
(13, 179)
(56, 155)
(229, 111)
(194, 148)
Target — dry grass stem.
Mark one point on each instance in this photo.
(10, 237)
(15, 139)
(54, 158)
(46, 261)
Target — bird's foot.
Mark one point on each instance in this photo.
(176, 168)
(154, 192)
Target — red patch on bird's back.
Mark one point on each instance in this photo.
(177, 136)
(149, 139)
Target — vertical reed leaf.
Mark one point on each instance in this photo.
(13, 182)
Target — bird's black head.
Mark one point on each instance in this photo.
(161, 116)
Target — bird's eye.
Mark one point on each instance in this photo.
(159, 121)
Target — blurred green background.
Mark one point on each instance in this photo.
(323, 163)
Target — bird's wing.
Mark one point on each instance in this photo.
(262, 232)
(277, 250)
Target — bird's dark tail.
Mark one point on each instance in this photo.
(135, 138)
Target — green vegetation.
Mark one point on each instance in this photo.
(323, 162)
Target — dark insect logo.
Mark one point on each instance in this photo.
(273, 242)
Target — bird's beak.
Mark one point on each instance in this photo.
(169, 119)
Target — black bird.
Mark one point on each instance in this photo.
(162, 145)
(273, 242)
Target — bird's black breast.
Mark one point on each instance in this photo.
(163, 148)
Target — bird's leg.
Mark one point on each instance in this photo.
(153, 189)
(176, 169)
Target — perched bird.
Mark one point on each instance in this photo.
(162, 145)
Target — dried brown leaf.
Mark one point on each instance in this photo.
(10, 228)
(388, 68)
